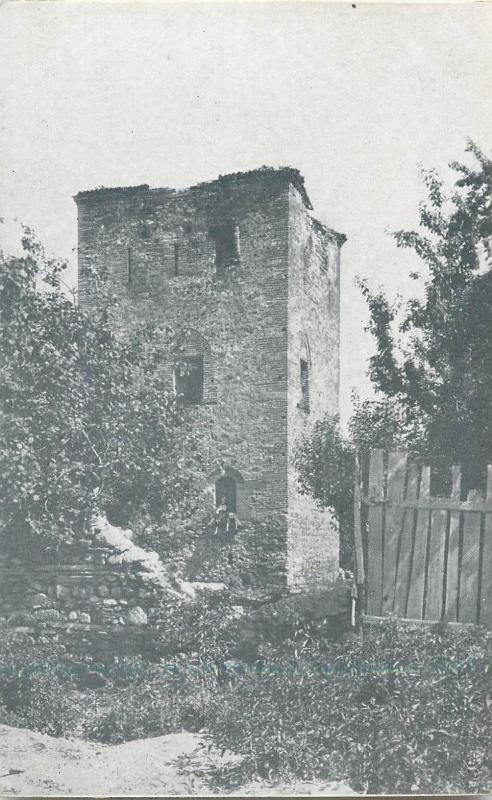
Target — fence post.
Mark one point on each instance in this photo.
(358, 547)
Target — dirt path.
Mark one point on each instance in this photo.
(67, 766)
(34, 764)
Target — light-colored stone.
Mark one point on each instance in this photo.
(73, 616)
(46, 614)
(136, 616)
(84, 617)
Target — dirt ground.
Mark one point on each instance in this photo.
(33, 764)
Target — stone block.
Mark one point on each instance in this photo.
(136, 616)
(46, 615)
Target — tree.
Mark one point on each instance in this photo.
(324, 461)
(432, 370)
(433, 359)
(88, 421)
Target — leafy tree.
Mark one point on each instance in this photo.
(324, 461)
(433, 360)
(432, 370)
(87, 419)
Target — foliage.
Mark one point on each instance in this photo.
(33, 690)
(325, 465)
(308, 708)
(86, 412)
(416, 699)
(433, 360)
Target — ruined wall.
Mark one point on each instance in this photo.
(314, 337)
(90, 601)
(242, 316)
(278, 304)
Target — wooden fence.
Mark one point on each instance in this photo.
(422, 557)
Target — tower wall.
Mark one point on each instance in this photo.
(251, 325)
(314, 338)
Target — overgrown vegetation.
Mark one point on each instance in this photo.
(307, 709)
(86, 414)
(433, 359)
(432, 369)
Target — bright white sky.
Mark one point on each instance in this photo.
(115, 94)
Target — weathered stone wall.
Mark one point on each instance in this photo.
(242, 316)
(158, 247)
(314, 337)
(86, 602)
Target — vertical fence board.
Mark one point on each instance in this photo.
(435, 571)
(417, 575)
(397, 464)
(486, 583)
(375, 539)
(359, 551)
(452, 585)
(452, 571)
(405, 556)
(469, 567)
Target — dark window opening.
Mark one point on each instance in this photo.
(226, 238)
(188, 379)
(176, 259)
(226, 493)
(304, 385)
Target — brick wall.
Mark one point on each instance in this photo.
(314, 337)
(157, 245)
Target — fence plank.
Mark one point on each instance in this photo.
(417, 575)
(452, 565)
(375, 538)
(486, 584)
(452, 585)
(397, 464)
(359, 552)
(435, 570)
(405, 556)
(469, 568)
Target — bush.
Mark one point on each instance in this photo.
(400, 711)
(34, 687)
(145, 700)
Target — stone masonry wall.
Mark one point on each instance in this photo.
(252, 325)
(314, 337)
(94, 609)
(242, 317)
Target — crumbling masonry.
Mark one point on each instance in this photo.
(262, 344)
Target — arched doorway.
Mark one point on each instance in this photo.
(225, 487)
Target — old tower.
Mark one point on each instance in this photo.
(262, 341)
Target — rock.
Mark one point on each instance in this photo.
(73, 615)
(136, 616)
(103, 590)
(41, 600)
(110, 602)
(115, 559)
(46, 615)
(62, 592)
(84, 617)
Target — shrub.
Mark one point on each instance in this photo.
(399, 697)
(34, 687)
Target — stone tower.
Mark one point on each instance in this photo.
(262, 341)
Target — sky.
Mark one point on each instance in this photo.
(126, 93)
